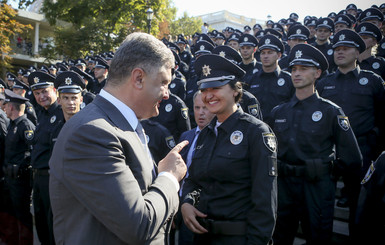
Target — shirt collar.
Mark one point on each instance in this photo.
(295, 101)
(126, 111)
(355, 72)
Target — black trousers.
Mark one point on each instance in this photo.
(42, 207)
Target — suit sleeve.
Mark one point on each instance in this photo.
(98, 174)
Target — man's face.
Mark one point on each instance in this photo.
(369, 41)
(182, 46)
(312, 31)
(45, 97)
(70, 103)
(8, 109)
(247, 51)
(345, 56)
(10, 83)
(155, 89)
(352, 12)
(202, 115)
(340, 26)
(219, 41)
(323, 34)
(99, 73)
(18, 91)
(293, 42)
(304, 76)
(25, 80)
(269, 57)
(234, 44)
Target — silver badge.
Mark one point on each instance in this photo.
(270, 141)
(202, 47)
(246, 39)
(298, 54)
(222, 53)
(317, 115)
(363, 29)
(325, 22)
(281, 82)
(170, 142)
(267, 41)
(82, 105)
(172, 85)
(363, 81)
(343, 121)
(342, 37)
(29, 92)
(206, 70)
(53, 119)
(376, 65)
(168, 107)
(253, 109)
(236, 137)
(68, 81)
(299, 31)
(330, 51)
(368, 14)
(368, 174)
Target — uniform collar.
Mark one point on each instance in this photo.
(19, 119)
(230, 123)
(276, 72)
(53, 107)
(356, 72)
(295, 101)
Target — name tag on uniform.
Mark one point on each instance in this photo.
(280, 120)
(329, 87)
(254, 86)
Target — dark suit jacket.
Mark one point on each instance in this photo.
(187, 135)
(101, 185)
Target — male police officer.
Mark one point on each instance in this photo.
(270, 85)
(311, 133)
(248, 45)
(100, 72)
(21, 89)
(51, 114)
(17, 163)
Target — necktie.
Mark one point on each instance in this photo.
(189, 158)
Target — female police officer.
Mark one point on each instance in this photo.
(230, 193)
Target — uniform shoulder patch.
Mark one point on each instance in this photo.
(270, 141)
(28, 134)
(343, 122)
(253, 109)
(184, 112)
(368, 174)
(170, 142)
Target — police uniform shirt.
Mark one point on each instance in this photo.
(249, 69)
(47, 121)
(173, 114)
(360, 94)
(87, 98)
(21, 132)
(309, 129)
(374, 64)
(235, 172)
(97, 86)
(186, 56)
(178, 85)
(30, 112)
(184, 69)
(250, 104)
(327, 50)
(271, 89)
(160, 140)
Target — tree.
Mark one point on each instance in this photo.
(185, 25)
(100, 25)
(9, 27)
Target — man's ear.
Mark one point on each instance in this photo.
(137, 78)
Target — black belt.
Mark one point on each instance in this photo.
(224, 227)
(287, 169)
(43, 171)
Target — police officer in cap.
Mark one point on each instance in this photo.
(270, 85)
(342, 22)
(233, 41)
(311, 133)
(248, 46)
(371, 35)
(361, 94)
(178, 83)
(184, 54)
(21, 89)
(311, 25)
(10, 77)
(17, 166)
(100, 73)
(88, 97)
(256, 28)
(229, 196)
(51, 115)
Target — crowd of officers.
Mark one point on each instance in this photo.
(314, 138)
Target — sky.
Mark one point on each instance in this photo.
(260, 9)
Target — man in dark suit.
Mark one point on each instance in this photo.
(202, 118)
(103, 186)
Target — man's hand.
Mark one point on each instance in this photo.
(173, 162)
(190, 213)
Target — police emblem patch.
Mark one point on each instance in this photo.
(376, 65)
(172, 85)
(270, 141)
(325, 22)
(236, 137)
(281, 82)
(343, 121)
(383, 46)
(363, 28)
(298, 54)
(82, 105)
(53, 119)
(299, 31)
(246, 39)
(29, 109)
(206, 70)
(342, 37)
(170, 142)
(317, 115)
(363, 81)
(36, 79)
(253, 109)
(330, 51)
(68, 81)
(222, 53)
(28, 134)
(29, 92)
(267, 41)
(368, 174)
(168, 108)
(184, 112)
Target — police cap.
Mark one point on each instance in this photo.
(216, 71)
(257, 26)
(20, 71)
(349, 38)
(203, 47)
(228, 52)
(298, 32)
(325, 22)
(269, 22)
(173, 47)
(332, 15)
(44, 68)
(69, 82)
(370, 14)
(369, 29)
(20, 84)
(32, 69)
(273, 32)
(11, 96)
(38, 80)
(52, 67)
(343, 19)
(101, 63)
(181, 40)
(260, 34)
(278, 27)
(234, 37)
(81, 62)
(351, 6)
(205, 37)
(220, 35)
(293, 16)
(248, 40)
(82, 74)
(10, 76)
(306, 55)
(247, 28)
(271, 42)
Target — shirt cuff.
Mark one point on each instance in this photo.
(171, 177)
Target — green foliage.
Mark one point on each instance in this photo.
(185, 25)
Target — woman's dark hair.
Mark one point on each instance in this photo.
(237, 86)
